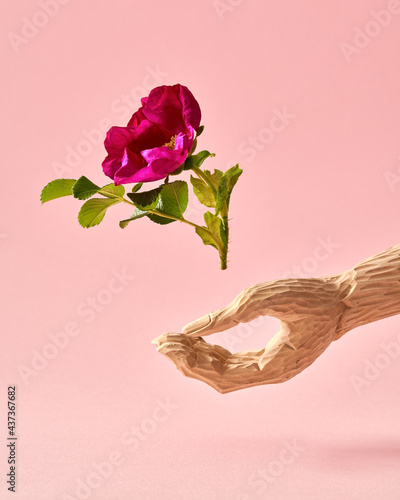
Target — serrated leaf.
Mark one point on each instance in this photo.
(225, 187)
(57, 189)
(170, 199)
(160, 220)
(136, 187)
(84, 188)
(213, 222)
(173, 199)
(214, 177)
(146, 200)
(217, 226)
(205, 236)
(203, 192)
(93, 211)
(112, 191)
(137, 214)
(234, 173)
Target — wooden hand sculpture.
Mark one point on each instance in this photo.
(313, 313)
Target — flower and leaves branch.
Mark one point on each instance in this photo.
(158, 143)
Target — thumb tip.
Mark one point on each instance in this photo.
(197, 325)
(157, 340)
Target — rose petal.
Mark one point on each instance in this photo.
(137, 118)
(116, 141)
(122, 140)
(164, 108)
(190, 108)
(163, 161)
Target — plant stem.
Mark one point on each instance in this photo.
(161, 214)
(223, 260)
(166, 216)
(223, 250)
(225, 225)
(220, 245)
(115, 196)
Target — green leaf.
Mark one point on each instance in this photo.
(137, 186)
(214, 223)
(112, 191)
(225, 187)
(160, 220)
(57, 189)
(216, 227)
(93, 211)
(205, 236)
(233, 174)
(173, 199)
(137, 214)
(215, 177)
(200, 130)
(146, 200)
(200, 158)
(203, 192)
(170, 199)
(84, 188)
(197, 160)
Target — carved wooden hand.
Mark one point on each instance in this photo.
(313, 313)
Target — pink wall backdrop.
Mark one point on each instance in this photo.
(102, 415)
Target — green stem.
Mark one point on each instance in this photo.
(154, 211)
(222, 249)
(225, 225)
(107, 194)
(166, 216)
(129, 202)
(223, 260)
(220, 245)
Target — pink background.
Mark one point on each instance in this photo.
(331, 172)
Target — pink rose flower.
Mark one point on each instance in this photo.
(157, 139)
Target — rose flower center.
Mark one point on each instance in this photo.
(171, 143)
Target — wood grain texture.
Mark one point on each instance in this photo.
(313, 313)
